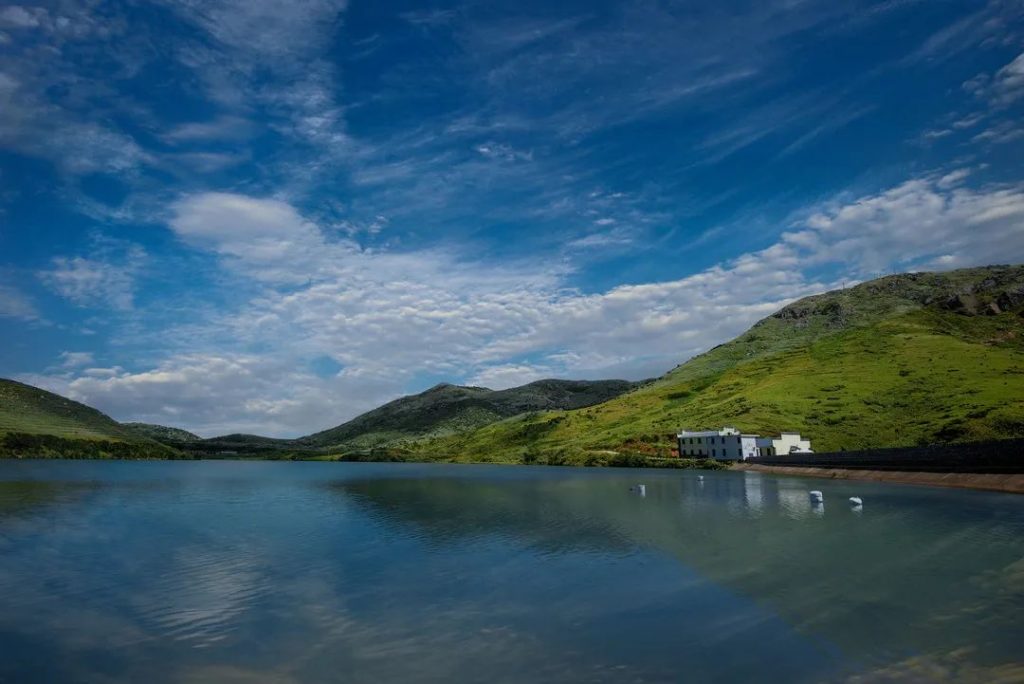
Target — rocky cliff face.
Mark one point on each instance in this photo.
(970, 292)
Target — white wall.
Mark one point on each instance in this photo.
(787, 440)
(724, 444)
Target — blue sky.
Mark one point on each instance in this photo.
(268, 216)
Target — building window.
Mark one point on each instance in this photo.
(714, 452)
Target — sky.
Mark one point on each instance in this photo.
(269, 216)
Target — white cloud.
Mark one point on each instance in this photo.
(105, 280)
(503, 152)
(1003, 87)
(274, 28)
(69, 360)
(913, 224)
(226, 128)
(952, 179)
(18, 17)
(1001, 133)
(228, 222)
(269, 236)
(615, 237)
(37, 129)
(1009, 81)
(504, 376)
(16, 304)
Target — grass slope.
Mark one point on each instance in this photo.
(34, 422)
(450, 409)
(903, 360)
(243, 446)
(161, 433)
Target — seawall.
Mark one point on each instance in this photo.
(996, 482)
(993, 456)
(994, 465)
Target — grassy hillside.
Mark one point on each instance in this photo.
(449, 409)
(161, 433)
(903, 360)
(243, 446)
(34, 422)
(31, 410)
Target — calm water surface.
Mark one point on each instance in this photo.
(309, 572)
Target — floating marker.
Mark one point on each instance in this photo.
(700, 478)
(641, 489)
(856, 501)
(816, 497)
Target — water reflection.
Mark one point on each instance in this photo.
(312, 572)
(561, 517)
(20, 498)
(856, 580)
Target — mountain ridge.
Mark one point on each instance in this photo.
(901, 360)
(37, 422)
(446, 408)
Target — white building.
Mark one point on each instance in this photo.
(729, 444)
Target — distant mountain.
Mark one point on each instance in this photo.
(449, 409)
(244, 445)
(442, 410)
(37, 423)
(161, 433)
(908, 359)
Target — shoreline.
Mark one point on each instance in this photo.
(1012, 483)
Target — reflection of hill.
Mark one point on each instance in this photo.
(20, 498)
(543, 515)
(876, 584)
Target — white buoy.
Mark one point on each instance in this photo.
(856, 501)
(816, 497)
(642, 489)
(700, 478)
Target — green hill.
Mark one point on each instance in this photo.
(37, 423)
(903, 360)
(243, 446)
(161, 433)
(450, 409)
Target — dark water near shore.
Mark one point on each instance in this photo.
(308, 572)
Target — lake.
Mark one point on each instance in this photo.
(222, 571)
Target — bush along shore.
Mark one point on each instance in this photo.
(24, 445)
(561, 457)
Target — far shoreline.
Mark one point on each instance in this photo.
(1011, 483)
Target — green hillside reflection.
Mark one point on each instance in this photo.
(875, 581)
